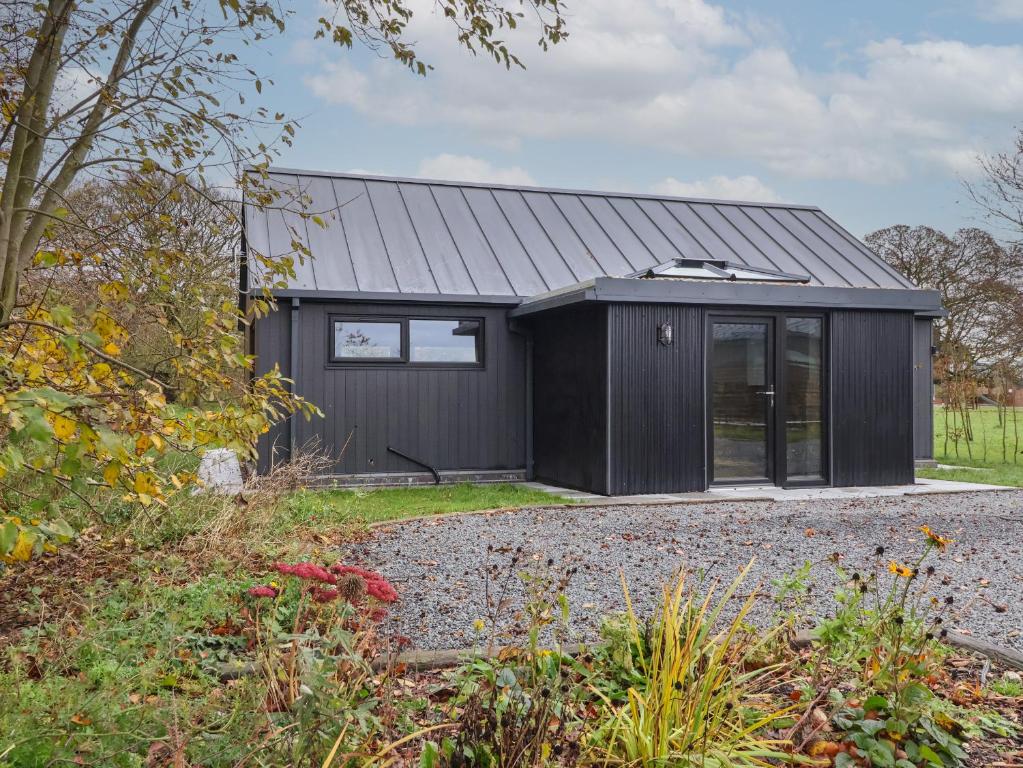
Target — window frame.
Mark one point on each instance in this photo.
(334, 358)
(480, 346)
(404, 361)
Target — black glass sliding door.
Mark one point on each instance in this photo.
(766, 399)
(804, 399)
(741, 400)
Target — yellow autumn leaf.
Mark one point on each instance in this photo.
(142, 444)
(22, 551)
(145, 483)
(111, 472)
(105, 326)
(115, 290)
(63, 427)
(100, 371)
(157, 441)
(111, 349)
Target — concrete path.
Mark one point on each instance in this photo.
(772, 493)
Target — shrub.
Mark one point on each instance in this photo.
(695, 687)
(885, 636)
(314, 636)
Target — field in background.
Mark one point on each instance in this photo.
(993, 455)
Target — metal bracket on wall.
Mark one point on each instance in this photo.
(436, 475)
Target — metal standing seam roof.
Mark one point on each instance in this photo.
(413, 236)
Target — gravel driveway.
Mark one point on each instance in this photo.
(438, 565)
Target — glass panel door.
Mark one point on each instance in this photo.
(804, 399)
(742, 400)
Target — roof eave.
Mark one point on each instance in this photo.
(733, 293)
(394, 297)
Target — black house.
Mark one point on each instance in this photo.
(615, 343)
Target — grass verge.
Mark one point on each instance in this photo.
(319, 508)
(1004, 475)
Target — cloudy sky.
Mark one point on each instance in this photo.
(874, 110)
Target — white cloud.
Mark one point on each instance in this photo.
(720, 188)
(704, 22)
(685, 76)
(1000, 10)
(467, 168)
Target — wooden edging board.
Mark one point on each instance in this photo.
(451, 657)
(425, 660)
(1009, 657)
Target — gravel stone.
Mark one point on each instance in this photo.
(438, 565)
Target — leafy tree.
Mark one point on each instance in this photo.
(155, 92)
(173, 249)
(981, 285)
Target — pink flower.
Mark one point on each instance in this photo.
(263, 591)
(307, 571)
(381, 590)
(322, 595)
(376, 585)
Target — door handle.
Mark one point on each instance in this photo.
(768, 393)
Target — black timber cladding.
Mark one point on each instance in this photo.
(570, 396)
(461, 418)
(410, 247)
(871, 364)
(272, 346)
(923, 389)
(618, 413)
(656, 400)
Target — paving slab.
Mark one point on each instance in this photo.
(772, 493)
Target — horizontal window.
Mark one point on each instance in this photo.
(407, 341)
(369, 340)
(444, 341)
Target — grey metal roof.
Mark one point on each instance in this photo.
(412, 236)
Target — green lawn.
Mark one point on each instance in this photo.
(995, 455)
(330, 508)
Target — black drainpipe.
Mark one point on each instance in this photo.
(527, 333)
(434, 472)
(293, 375)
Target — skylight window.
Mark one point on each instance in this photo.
(700, 269)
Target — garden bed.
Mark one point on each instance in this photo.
(183, 647)
(134, 673)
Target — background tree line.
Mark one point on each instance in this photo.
(980, 276)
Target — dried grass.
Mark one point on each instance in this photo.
(235, 524)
